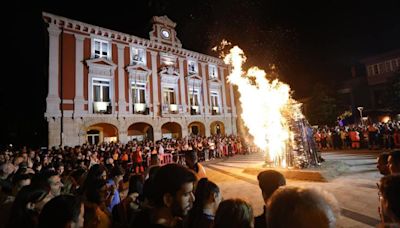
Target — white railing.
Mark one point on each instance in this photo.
(100, 106)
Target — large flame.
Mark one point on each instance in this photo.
(267, 108)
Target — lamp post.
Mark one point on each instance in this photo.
(360, 109)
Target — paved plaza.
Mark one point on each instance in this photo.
(355, 190)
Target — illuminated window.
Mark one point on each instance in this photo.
(212, 71)
(138, 56)
(101, 96)
(101, 49)
(192, 67)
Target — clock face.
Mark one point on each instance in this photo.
(165, 33)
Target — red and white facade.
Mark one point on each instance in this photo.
(105, 85)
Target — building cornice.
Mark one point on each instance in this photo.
(84, 28)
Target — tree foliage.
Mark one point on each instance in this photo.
(322, 108)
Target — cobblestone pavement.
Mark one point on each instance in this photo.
(355, 190)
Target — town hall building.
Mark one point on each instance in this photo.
(106, 86)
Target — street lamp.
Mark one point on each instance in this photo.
(360, 109)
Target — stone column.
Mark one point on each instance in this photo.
(182, 84)
(121, 80)
(205, 92)
(225, 109)
(53, 97)
(79, 100)
(154, 77)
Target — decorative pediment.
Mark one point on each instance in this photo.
(101, 66)
(194, 80)
(169, 74)
(138, 72)
(214, 84)
(164, 20)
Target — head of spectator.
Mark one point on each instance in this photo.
(389, 189)
(234, 213)
(173, 187)
(97, 192)
(27, 206)
(19, 181)
(394, 162)
(191, 159)
(52, 178)
(117, 174)
(269, 181)
(208, 197)
(382, 163)
(59, 167)
(62, 211)
(5, 170)
(301, 207)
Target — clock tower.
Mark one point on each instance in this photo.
(164, 31)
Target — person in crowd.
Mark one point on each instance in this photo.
(173, 198)
(208, 197)
(193, 164)
(62, 211)
(269, 181)
(124, 213)
(382, 163)
(389, 199)
(394, 162)
(296, 207)
(116, 176)
(96, 214)
(96, 172)
(234, 213)
(28, 205)
(52, 178)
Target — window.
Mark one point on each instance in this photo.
(192, 67)
(370, 70)
(382, 68)
(194, 97)
(138, 93)
(387, 65)
(212, 71)
(101, 96)
(376, 71)
(138, 56)
(101, 49)
(214, 99)
(169, 95)
(101, 90)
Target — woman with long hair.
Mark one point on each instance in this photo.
(27, 206)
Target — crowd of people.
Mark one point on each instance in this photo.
(371, 136)
(129, 185)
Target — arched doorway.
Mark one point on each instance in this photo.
(140, 131)
(102, 132)
(197, 128)
(217, 128)
(171, 130)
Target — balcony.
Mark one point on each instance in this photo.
(102, 107)
(194, 110)
(171, 109)
(216, 111)
(140, 108)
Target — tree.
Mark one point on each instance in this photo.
(322, 109)
(393, 93)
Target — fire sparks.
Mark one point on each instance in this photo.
(267, 108)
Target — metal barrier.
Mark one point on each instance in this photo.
(163, 158)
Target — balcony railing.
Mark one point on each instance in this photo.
(171, 109)
(216, 111)
(195, 110)
(102, 107)
(140, 108)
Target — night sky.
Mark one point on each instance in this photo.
(308, 41)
